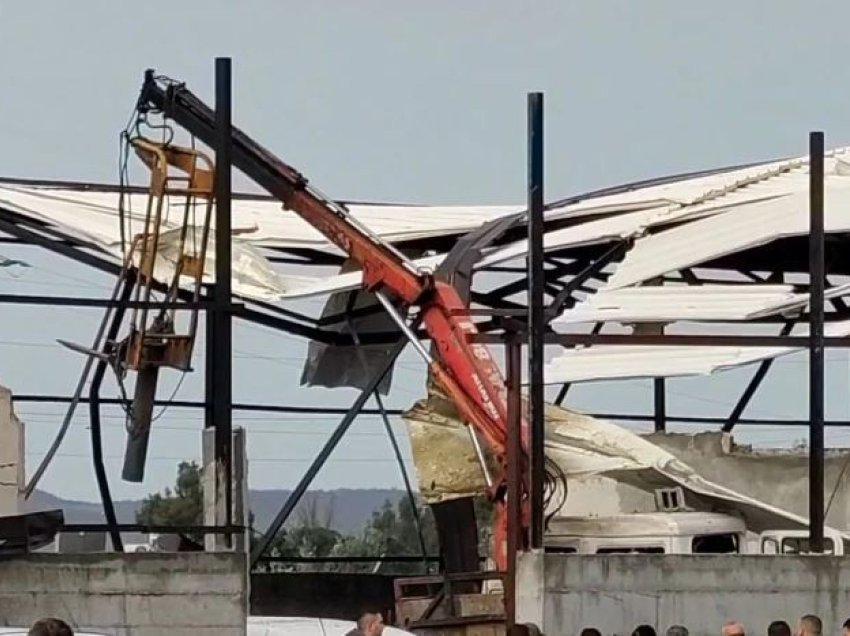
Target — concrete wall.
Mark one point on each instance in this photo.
(773, 476)
(11, 456)
(617, 593)
(130, 595)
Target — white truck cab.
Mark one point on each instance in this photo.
(797, 542)
(647, 533)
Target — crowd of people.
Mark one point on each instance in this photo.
(370, 624)
(808, 625)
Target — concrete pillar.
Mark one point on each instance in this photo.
(530, 587)
(215, 494)
(12, 456)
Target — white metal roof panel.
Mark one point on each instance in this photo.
(679, 302)
(260, 222)
(669, 303)
(636, 361)
(731, 231)
(610, 362)
(753, 182)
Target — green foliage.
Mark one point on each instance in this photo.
(392, 530)
(182, 506)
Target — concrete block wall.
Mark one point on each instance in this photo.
(615, 593)
(11, 456)
(129, 595)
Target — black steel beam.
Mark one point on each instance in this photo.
(94, 415)
(140, 527)
(752, 387)
(411, 497)
(697, 340)
(536, 316)
(288, 326)
(817, 276)
(189, 404)
(57, 244)
(562, 394)
(320, 459)
(590, 271)
(693, 419)
(660, 403)
(72, 301)
(493, 296)
(222, 398)
(513, 358)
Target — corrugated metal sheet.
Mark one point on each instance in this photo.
(632, 213)
(745, 207)
(263, 223)
(704, 303)
(735, 229)
(632, 362)
(758, 181)
(584, 448)
(680, 302)
(606, 362)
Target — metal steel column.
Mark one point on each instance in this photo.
(513, 356)
(752, 387)
(320, 459)
(414, 506)
(660, 401)
(816, 341)
(222, 396)
(94, 413)
(562, 394)
(536, 315)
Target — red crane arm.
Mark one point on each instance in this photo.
(466, 371)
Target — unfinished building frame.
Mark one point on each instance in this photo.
(514, 313)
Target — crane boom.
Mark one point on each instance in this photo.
(466, 371)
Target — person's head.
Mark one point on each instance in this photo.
(644, 630)
(50, 627)
(370, 624)
(733, 628)
(845, 628)
(677, 630)
(810, 625)
(779, 628)
(590, 631)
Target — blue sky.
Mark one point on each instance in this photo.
(403, 102)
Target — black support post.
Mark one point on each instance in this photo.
(659, 391)
(94, 413)
(513, 355)
(222, 333)
(752, 387)
(320, 459)
(536, 314)
(816, 337)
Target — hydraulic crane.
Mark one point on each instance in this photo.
(466, 371)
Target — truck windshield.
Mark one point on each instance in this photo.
(800, 545)
(715, 543)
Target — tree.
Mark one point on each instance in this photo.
(392, 531)
(184, 506)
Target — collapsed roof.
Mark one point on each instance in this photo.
(728, 220)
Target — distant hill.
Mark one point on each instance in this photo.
(346, 510)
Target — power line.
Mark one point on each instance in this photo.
(253, 431)
(261, 460)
